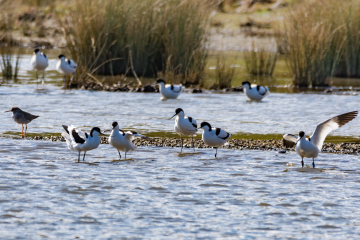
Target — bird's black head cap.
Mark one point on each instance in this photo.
(178, 110)
(246, 82)
(94, 129)
(160, 81)
(301, 134)
(36, 50)
(61, 55)
(203, 124)
(114, 124)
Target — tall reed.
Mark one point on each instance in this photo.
(224, 72)
(153, 30)
(260, 61)
(313, 41)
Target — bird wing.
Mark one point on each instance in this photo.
(130, 135)
(72, 64)
(192, 121)
(324, 128)
(289, 140)
(29, 116)
(175, 88)
(222, 133)
(262, 90)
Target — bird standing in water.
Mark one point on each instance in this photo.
(66, 67)
(22, 118)
(169, 91)
(310, 148)
(214, 137)
(39, 61)
(184, 125)
(78, 141)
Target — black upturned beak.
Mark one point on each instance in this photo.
(172, 116)
(8, 111)
(107, 130)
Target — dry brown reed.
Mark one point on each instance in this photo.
(260, 61)
(162, 34)
(313, 41)
(224, 72)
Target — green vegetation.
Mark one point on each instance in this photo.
(224, 72)
(260, 61)
(160, 35)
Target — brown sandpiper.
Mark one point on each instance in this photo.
(22, 118)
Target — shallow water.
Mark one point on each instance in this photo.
(278, 114)
(160, 194)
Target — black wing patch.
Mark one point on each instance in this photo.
(133, 132)
(86, 135)
(77, 138)
(69, 61)
(190, 119)
(172, 89)
(45, 55)
(122, 132)
(218, 132)
(66, 128)
(258, 88)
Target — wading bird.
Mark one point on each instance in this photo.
(22, 118)
(121, 140)
(39, 61)
(66, 67)
(81, 142)
(310, 148)
(169, 91)
(184, 125)
(214, 137)
(255, 92)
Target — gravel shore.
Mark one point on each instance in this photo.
(239, 144)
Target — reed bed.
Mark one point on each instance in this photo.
(162, 34)
(224, 72)
(321, 40)
(260, 61)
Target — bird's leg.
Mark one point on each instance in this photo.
(313, 162)
(72, 79)
(37, 78)
(84, 156)
(22, 130)
(192, 142)
(181, 142)
(25, 129)
(79, 156)
(302, 162)
(43, 78)
(216, 152)
(64, 82)
(125, 154)
(120, 154)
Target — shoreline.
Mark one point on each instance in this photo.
(236, 144)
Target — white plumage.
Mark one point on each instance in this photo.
(310, 148)
(169, 91)
(255, 92)
(66, 67)
(39, 61)
(214, 137)
(121, 140)
(184, 125)
(78, 141)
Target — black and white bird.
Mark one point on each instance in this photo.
(121, 140)
(311, 147)
(39, 61)
(169, 91)
(184, 125)
(214, 137)
(81, 142)
(255, 92)
(66, 67)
